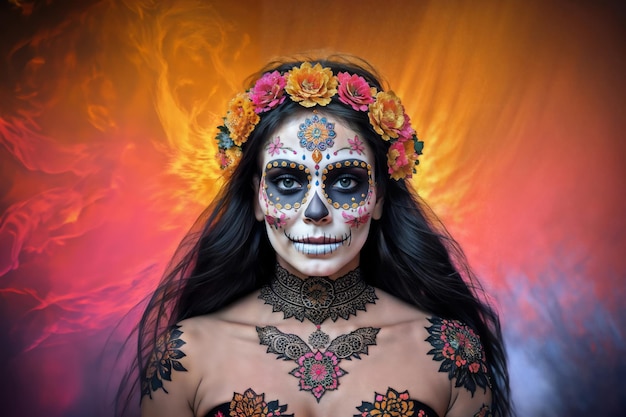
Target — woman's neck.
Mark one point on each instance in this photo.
(317, 298)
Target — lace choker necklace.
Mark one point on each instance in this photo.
(317, 298)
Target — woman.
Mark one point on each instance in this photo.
(319, 284)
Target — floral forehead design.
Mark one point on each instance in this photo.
(314, 85)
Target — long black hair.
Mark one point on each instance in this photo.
(408, 252)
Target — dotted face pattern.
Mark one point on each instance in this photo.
(345, 184)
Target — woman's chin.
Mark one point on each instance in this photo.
(319, 266)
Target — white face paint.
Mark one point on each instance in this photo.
(317, 195)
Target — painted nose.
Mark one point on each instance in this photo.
(316, 210)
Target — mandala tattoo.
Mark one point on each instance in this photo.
(394, 403)
(458, 348)
(164, 358)
(317, 298)
(249, 404)
(319, 339)
(317, 371)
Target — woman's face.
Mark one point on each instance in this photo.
(317, 194)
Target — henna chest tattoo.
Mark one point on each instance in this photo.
(318, 371)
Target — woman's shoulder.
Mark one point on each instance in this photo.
(449, 350)
(181, 358)
(167, 377)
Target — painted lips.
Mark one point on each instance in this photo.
(318, 245)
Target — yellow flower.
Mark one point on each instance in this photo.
(311, 86)
(387, 115)
(241, 118)
(234, 155)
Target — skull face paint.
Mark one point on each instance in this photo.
(317, 195)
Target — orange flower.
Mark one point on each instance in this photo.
(387, 115)
(241, 118)
(401, 159)
(234, 155)
(393, 404)
(248, 404)
(311, 86)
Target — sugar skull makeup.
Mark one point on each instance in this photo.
(317, 195)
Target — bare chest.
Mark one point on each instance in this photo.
(338, 373)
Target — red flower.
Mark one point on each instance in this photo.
(276, 222)
(356, 221)
(355, 91)
(356, 145)
(474, 367)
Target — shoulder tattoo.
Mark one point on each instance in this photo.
(460, 352)
(163, 359)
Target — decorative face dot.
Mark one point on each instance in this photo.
(346, 183)
(316, 134)
(286, 183)
(341, 176)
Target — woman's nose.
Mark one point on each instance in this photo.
(317, 211)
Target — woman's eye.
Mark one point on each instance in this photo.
(286, 183)
(345, 183)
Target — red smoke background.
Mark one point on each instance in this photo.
(107, 113)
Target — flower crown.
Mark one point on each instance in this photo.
(316, 86)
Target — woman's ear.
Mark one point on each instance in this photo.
(378, 208)
(258, 213)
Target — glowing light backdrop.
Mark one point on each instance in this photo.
(107, 113)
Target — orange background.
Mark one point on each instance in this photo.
(107, 113)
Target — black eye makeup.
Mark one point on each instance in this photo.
(286, 183)
(346, 183)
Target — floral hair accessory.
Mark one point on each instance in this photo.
(268, 92)
(311, 86)
(355, 91)
(314, 85)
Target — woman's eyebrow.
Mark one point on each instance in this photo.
(285, 164)
(350, 162)
(354, 165)
(343, 168)
(284, 167)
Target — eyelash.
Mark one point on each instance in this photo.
(354, 183)
(278, 181)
